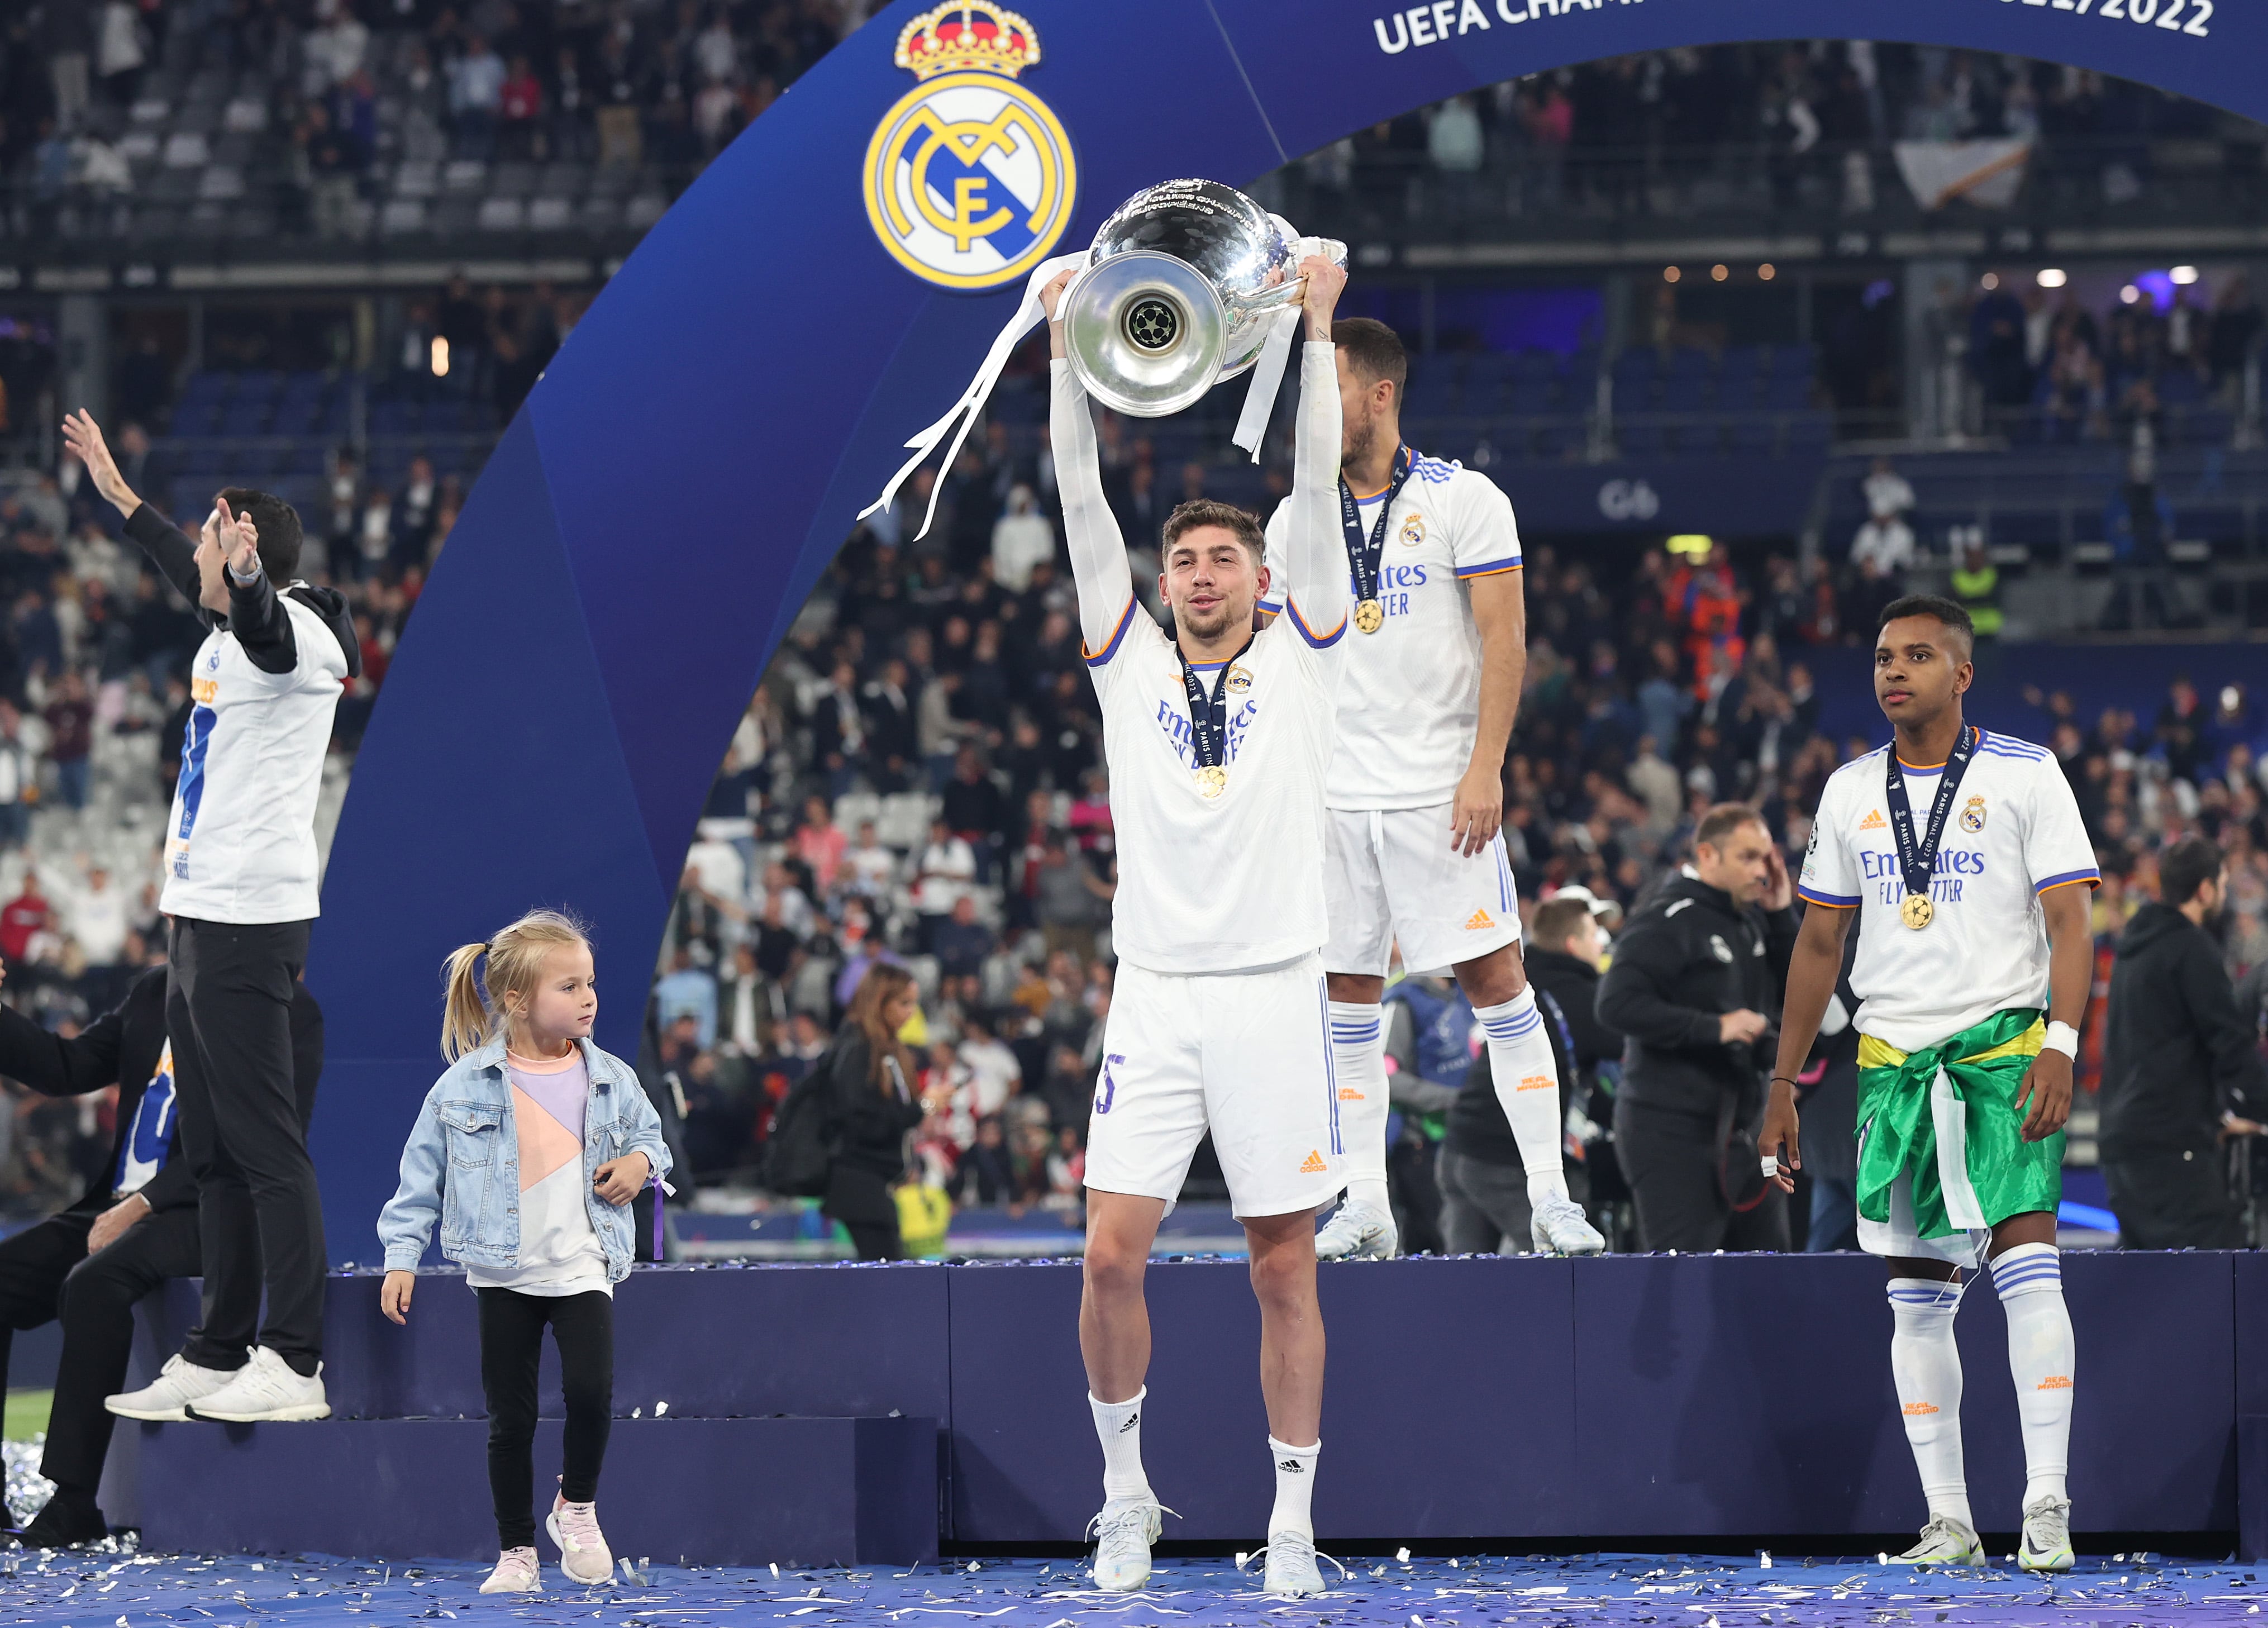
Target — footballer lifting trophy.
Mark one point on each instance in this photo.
(1180, 283)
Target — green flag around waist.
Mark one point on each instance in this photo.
(1991, 1172)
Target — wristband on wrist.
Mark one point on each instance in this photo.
(2064, 1038)
(1785, 1079)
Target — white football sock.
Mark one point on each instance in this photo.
(2041, 1356)
(1119, 1426)
(1926, 1365)
(1357, 1039)
(1527, 1081)
(1295, 1485)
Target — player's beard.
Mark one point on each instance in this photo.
(1210, 624)
(1355, 444)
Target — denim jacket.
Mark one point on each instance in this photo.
(462, 1163)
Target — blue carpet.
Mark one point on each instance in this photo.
(128, 1591)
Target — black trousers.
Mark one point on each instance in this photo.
(228, 1013)
(46, 1272)
(2174, 1200)
(863, 1202)
(1675, 1166)
(512, 1350)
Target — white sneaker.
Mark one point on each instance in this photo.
(1560, 1228)
(2046, 1545)
(517, 1571)
(1122, 1535)
(162, 1400)
(583, 1552)
(1291, 1572)
(264, 1390)
(1946, 1541)
(1358, 1232)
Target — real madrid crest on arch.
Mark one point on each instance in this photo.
(969, 177)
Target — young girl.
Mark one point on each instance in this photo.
(529, 1150)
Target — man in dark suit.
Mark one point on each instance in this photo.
(133, 1229)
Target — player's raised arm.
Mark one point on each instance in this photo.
(1098, 550)
(1315, 548)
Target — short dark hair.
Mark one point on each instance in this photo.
(1373, 350)
(1723, 820)
(1555, 922)
(1198, 512)
(1943, 611)
(278, 524)
(2185, 868)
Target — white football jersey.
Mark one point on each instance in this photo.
(240, 843)
(1233, 883)
(1215, 884)
(2015, 832)
(1411, 698)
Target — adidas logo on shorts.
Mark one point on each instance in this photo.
(1479, 921)
(1315, 1165)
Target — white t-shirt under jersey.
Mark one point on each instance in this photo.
(1233, 883)
(2013, 833)
(240, 847)
(1411, 697)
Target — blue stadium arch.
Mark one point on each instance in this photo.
(654, 517)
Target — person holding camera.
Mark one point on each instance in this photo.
(1695, 976)
(2181, 1068)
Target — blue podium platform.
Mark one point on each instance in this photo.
(1529, 1400)
(723, 1491)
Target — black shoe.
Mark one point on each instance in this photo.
(65, 1523)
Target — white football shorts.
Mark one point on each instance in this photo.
(1240, 1054)
(1391, 875)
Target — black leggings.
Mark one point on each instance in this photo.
(511, 1348)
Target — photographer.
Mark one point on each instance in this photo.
(2181, 1066)
(1695, 973)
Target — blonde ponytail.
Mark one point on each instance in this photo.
(474, 1010)
(464, 1016)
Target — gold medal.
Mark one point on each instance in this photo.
(1369, 617)
(1917, 912)
(1212, 780)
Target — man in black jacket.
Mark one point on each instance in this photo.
(1484, 1180)
(129, 1233)
(2181, 1066)
(1695, 976)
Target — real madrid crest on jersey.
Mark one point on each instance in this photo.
(1972, 817)
(1413, 530)
(969, 177)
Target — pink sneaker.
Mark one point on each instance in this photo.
(517, 1571)
(583, 1552)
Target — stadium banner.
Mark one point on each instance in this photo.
(656, 514)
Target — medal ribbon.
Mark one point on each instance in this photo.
(1209, 715)
(1917, 860)
(1363, 554)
